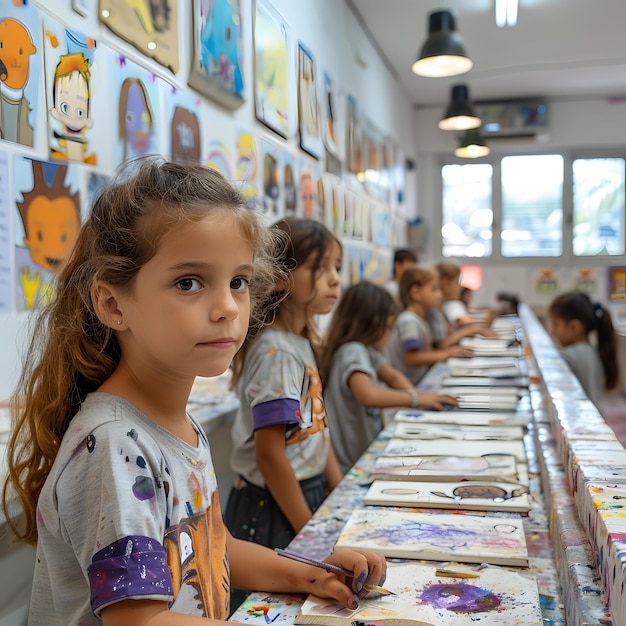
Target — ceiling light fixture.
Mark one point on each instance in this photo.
(472, 146)
(506, 13)
(443, 53)
(459, 115)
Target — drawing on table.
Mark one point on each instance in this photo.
(446, 447)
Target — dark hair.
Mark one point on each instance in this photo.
(303, 238)
(72, 352)
(362, 315)
(419, 276)
(402, 255)
(578, 306)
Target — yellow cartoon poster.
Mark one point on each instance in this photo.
(271, 73)
(47, 202)
(72, 80)
(20, 67)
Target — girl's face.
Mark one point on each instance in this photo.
(430, 295)
(450, 288)
(384, 340)
(317, 287)
(565, 332)
(187, 312)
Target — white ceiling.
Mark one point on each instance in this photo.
(560, 49)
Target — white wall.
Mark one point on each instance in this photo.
(575, 125)
(326, 27)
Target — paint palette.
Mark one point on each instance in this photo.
(427, 596)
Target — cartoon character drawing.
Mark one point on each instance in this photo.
(16, 47)
(270, 184)
(185, 136)
(220, 45)
(70, 98)
(135, 119)
(50, 215)
(307, 193)
(246, 168)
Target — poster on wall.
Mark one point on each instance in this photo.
(271, 73)
(330, 121)
(547, 282)
(354, 139)
(47, 201)
(183, 123)
(137, 110)
(271, 188)
(309, 174)
(617, 284)
(6, 283)
(74, 94)
(20, 67)
(585, 280)
(217, 56)
(151, 27)
(287, 181)
(246, 168)
(309, 121)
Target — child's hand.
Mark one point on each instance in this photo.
(459, 352)
(368, 567)
(431, 400)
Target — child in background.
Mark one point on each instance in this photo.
(574, 322)
(282, 456)
(454, 309)
(115, 479)
(403, 258)
(358, 381)
(410, 348)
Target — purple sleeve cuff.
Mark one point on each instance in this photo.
(131, 567)
(279, 411)
(412, 344)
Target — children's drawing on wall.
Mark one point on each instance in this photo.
(585, 281)
(6, 252)
(216, 66)
(617, 283)
(271, 80)
(271, 189)
(151, 26)
(138, 111)
(289, 192)
(219, 158)
(373, 154)
(20, 67)
(70, 85)
(354, 140)
(329, 109)
(547, 282)
(185, 135)
(95, 182)
(246, 169)
(308, 104)
(309, 175)
(48, 205)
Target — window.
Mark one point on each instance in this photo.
(543, 206)
(467, 212)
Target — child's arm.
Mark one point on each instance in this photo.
(332, 472)
(258, 568)
(279, 477)
(417, 358)
(471, 330)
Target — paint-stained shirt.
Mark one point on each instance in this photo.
(128, 511)
(280, 384)
(353, 426)
(410, 333)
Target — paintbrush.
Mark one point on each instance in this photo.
(331, 568)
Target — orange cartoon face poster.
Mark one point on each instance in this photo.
(47, 204)
(20, 67)
(73, 78)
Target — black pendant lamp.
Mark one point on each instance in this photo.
(443, 54)
(459, 115)
(472, 145)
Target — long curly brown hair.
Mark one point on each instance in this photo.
(72, 352)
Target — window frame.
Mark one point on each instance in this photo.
(496, 258)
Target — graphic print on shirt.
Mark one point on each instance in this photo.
(313, 415)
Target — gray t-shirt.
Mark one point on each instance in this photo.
(411, 332)
(352, 426)
(280, 384)
(128, 511)
(584, 361)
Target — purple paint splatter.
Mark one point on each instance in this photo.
(143, 489)
(461, 598)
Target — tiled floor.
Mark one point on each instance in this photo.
(615, 415)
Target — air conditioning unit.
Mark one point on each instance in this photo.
(512, 118)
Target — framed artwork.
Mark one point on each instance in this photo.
(329, 114)
(271, 187)
(20, 64)
(151, 27)
(217, 58)
(354, 140)
(271, 73)
(308, 104)
(617, 283)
